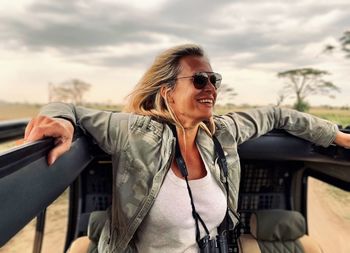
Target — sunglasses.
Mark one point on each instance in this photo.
(200, 79)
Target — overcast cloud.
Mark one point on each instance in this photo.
(110, 44)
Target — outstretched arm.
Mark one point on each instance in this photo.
(256, 122)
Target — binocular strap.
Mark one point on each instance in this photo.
(182, 166)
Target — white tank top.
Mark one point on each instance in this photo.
(169, 226)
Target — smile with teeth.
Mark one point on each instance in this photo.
(206, 101)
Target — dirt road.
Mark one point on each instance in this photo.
(329, 220)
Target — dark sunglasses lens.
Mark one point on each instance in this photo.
(215, 79)
(200, 80)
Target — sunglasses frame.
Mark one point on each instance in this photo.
(207, 75)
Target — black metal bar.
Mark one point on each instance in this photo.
(39, 231)
(73, 212)
(12, 129)
(29, 185)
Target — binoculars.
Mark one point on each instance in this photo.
(218, 245)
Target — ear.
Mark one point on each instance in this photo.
(163, 91)
(166, 94)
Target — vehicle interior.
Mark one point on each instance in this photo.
(273, 199)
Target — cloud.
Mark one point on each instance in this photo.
(67, 25)
(88, 31)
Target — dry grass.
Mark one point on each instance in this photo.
(336, 115)
(340, 116)
(18, 111)
(15, 111)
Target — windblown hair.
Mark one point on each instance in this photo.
(146, 98)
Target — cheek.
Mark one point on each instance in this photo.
(187, 101)
(183, 98)
(181, 95)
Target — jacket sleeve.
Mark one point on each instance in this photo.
(256, 122)
(104, 127)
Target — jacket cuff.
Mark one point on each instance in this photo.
(327, 136)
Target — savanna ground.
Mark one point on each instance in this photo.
(328, 210)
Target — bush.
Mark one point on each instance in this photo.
(301, 106)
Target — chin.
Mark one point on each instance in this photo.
(200, 115)
(206, 117)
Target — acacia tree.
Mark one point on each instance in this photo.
(305, 82)
(69, 91)
(344, 45)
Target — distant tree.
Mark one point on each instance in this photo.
(225, 94)
(344, 45)
(305, 82)
(280, 98)
(71, 91)
(60, 93)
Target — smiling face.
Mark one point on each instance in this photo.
(191, 105)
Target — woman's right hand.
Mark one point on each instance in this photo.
(62, 130)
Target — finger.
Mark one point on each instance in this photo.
(32, 132)
(19, 142)
(47, 130)
(38, 133)
(58, 151)
(28, 129)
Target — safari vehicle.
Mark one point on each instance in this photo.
(277, 170)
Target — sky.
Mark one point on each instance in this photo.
(110, 44)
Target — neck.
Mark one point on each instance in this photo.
(187, 138)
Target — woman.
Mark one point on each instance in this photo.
(152, 208)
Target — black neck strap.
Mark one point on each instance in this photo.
(183, 169)
(223, 166)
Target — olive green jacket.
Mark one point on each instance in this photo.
(142, 150)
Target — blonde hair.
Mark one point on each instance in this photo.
(146, 98)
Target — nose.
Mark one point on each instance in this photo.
(209, 85)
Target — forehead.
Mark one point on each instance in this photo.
(192, 64)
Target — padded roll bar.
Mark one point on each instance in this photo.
(28, 185)
(12, 129)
